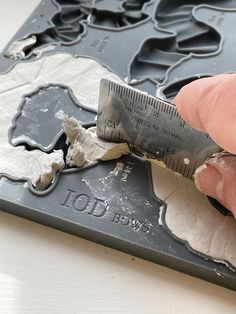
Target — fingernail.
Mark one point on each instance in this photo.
(209, 180)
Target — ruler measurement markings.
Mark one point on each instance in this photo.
(140, 101)
(177, 164)
(162, 107)
(178, 115)
(149, 102)
(166, 108)
(174, 112)
(169, 161)
(144, 101)
(187, 175)
(122, 92)
(129, 93)
(185, 169)
(104, 131)
(137, 98)
(113, 87)
(159, 105)
(140, 97)
(110, 86)
(153, 103)
(194, 168)
(119, 138)
(119, 89)
(164, 159)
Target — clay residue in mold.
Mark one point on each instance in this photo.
(39, 51)
(191, 218)
(85, 147)
(81, 75)
(17, 49)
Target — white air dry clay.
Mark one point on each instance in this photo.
(191, 218)
(189, 215)
(82, 75)
(17, 49)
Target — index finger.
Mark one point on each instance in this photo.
(209, 104)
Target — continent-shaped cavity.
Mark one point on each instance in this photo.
(39, 120)
(81, 75)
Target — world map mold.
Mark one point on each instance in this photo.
(156, 46)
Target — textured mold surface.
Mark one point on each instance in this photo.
(39, 119)
(148, 43)
(157, 46)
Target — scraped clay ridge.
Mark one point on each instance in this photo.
(82, 75)
(191, 218)
(85, 147)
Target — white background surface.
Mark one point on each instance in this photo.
(46, 271)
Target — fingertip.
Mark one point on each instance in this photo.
(180, 99)
(217, 178)
(208, 179)
(188, 102)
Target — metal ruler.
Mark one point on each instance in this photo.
(152, 127)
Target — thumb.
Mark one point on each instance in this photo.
(217, 178)
(209, 104)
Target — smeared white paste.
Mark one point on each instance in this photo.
(191, 217)
(82, 75)
(85, 147)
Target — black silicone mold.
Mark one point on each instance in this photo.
(156, 46)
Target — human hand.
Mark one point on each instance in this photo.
(209, 105)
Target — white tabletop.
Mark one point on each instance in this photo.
(43, 270)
